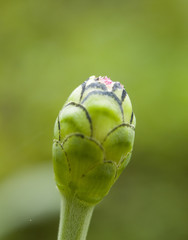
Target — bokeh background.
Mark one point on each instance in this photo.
(48, 48)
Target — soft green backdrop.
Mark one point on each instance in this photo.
(47, 48)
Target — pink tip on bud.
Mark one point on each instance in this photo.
(107, 81)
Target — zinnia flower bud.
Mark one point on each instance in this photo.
(93, 139)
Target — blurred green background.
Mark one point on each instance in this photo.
(48, 48)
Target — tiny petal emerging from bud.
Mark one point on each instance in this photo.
(93, 139)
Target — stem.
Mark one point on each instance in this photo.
(74, 218)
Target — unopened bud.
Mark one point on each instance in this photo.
(93, 139)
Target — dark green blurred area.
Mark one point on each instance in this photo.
(47, 49)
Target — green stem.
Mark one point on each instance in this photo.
(74, 219)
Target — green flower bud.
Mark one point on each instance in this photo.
(93, 139)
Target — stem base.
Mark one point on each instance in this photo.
(74, 219)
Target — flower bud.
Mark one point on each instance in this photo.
(93, 139)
